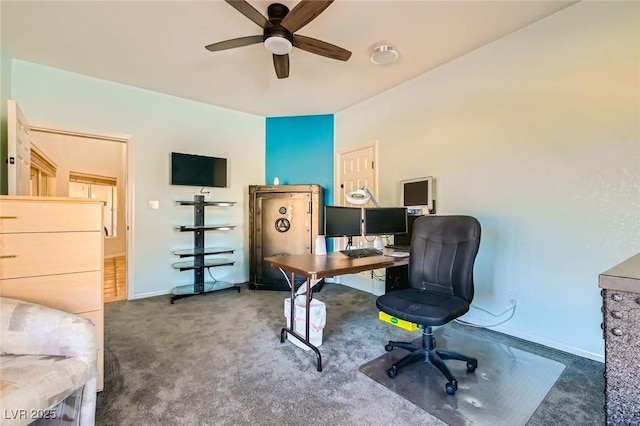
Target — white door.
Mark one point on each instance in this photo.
(18, 151)
(356, 168)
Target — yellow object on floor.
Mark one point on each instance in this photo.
(397, 322)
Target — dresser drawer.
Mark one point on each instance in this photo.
(34, 254)
(79, 292)
(41, 215)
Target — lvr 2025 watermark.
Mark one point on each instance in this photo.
(29, 414)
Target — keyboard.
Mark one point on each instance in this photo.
(361, 252)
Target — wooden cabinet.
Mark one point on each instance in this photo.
(51, 253)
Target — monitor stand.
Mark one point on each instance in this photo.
(349, 241)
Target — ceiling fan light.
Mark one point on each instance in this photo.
(278, 45)
(383, 55)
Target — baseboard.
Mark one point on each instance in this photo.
(151, 294)
(539, 340)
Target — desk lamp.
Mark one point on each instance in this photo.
(363, 196)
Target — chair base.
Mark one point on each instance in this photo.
(428, 353)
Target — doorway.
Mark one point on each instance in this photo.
(98, 167)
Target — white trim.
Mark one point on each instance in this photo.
(541, 340)
(151, 294)
(129, 215)
(113, 137)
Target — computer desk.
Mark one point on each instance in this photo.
(314, 267)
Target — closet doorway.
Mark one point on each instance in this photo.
(98, 167)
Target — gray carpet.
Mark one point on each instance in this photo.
(504, 390)
(217, 360)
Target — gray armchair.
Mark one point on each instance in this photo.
(47, 364)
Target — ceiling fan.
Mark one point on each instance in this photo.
(278, 32)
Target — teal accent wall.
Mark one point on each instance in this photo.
(299, 150)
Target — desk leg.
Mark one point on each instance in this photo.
(290, 328)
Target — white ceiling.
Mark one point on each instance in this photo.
(159, 46)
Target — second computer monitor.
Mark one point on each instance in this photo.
(342, 221)
(385, 221)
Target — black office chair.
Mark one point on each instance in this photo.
(443, 251)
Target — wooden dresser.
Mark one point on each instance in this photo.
(51, 253)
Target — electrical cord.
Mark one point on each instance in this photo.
(303, 288)
(286, 277)
(512, 309)
(212, 277)
(378, 277)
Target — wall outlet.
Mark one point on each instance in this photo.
(512, 298)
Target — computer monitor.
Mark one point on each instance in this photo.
(404, 240)
(385, 221)
(417, 195)
(342, 221)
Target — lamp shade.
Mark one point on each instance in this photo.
(359, 196)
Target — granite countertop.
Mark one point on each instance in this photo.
(624, 276)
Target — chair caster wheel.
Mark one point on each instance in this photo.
(471, 366)
(392, 372)
(388, 348)
(451, 388)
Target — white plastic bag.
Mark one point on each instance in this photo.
(317, 320)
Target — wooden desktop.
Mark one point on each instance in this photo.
(314, 267)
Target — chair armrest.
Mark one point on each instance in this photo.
(31, 329)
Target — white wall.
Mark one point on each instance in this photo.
(158, 124)
(93, 156)
(537, 135)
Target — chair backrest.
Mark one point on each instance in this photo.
(443, 251)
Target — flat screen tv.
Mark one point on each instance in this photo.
(417, 195)
(198, 170)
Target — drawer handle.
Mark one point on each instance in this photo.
(8, 217)
(8, 256)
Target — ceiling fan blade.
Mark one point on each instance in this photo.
(303, 13)
(321, 48)
(236, 42)
(250, 12)
(281, 64)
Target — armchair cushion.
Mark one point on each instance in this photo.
(38, 382)
(45, 356)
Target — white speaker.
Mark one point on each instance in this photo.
(321, 246)
(377, 243)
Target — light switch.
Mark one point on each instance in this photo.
(154, 205)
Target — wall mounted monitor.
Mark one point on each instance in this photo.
(417, 195)
(342, 221)
(198, 170)
(385, 221)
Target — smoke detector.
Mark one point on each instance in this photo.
(383, 55)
